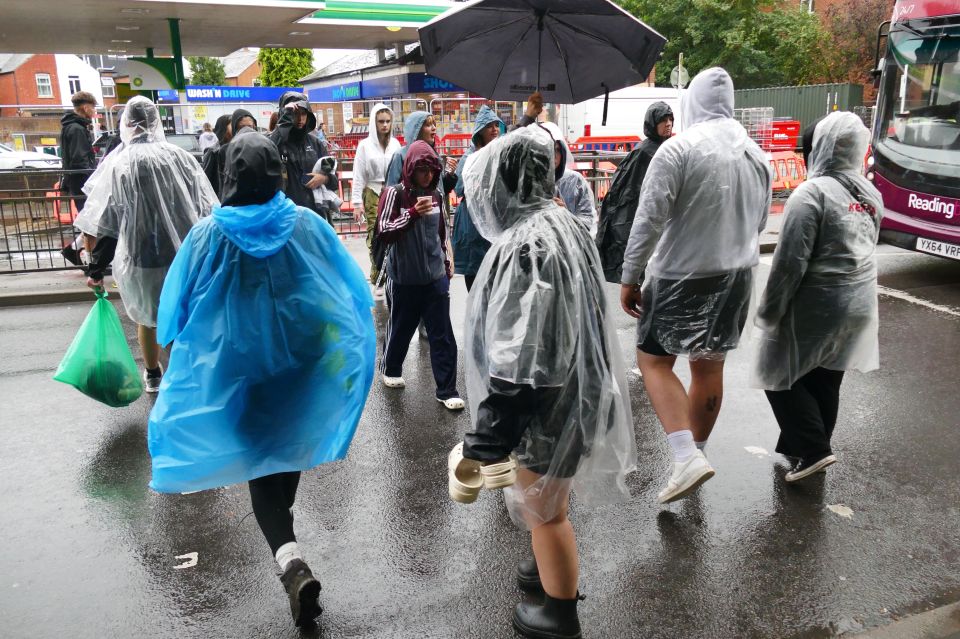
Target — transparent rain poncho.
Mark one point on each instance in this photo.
(820, 307)
(536, 324)
(696, 235)
(148, 195)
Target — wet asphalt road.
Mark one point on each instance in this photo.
(89, 551)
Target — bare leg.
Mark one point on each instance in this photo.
(554, 546)
(706, 396)
(666, 391)
(148, 344)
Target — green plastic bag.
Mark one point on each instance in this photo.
(99, 363)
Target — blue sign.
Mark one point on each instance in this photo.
(236, 94)
(168, 96)
(382, 87)
(338, 93)
(423, 83)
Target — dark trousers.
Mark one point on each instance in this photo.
(430, 303)
(272, 498)
(807, 413)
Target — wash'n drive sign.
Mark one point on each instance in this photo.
(236, 94)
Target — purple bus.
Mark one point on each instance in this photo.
(916, 134)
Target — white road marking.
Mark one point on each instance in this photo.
(907, 297)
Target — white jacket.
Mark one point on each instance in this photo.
(706, 195)
(371, 162)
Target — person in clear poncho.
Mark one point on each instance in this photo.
(819, 314)
(545, 379)
(694, 243)
(572, 188)
(143, 201)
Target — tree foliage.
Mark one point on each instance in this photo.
(207, 71)
(759, 42)
(284, 67)
(852, 31)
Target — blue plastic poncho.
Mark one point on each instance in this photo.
(273, 349)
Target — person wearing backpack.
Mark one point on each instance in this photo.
(819, 314)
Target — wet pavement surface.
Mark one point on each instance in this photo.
(89, 551)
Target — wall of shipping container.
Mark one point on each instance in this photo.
(804, 103)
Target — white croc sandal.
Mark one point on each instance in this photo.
(452, 403)
(463, 475)
(393, 382)
(500, 474)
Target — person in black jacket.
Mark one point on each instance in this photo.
(76, 152)
(620, 204)
(213, 157)
(299, 150)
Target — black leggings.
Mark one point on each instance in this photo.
(272, 498)
(807, 413)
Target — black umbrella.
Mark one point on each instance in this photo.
(569, 50)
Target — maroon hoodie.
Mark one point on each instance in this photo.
(419, 254)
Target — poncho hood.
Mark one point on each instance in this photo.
(141, 117)
(710, 97)
(412, 125)
(485, 117)
(259, 230)
(839, 144)
(566, 160)
(657, 113)
(509, 179)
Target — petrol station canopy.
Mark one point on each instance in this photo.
(209, 27)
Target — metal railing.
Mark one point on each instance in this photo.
(36, 221)
(36, 216)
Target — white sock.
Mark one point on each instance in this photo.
(683, 445)
(701, 445)
(287, 553)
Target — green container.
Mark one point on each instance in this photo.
(805, 103)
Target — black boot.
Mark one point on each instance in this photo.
(553, 619)
(303, 591)
(528, 576)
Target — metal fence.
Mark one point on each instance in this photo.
(36, 221)
(36, 216)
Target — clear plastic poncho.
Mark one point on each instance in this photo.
(148, 195)
(820, 306)
(537, 322)
(696, 235)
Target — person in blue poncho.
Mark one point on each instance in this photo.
(272, 359)
(469, 246)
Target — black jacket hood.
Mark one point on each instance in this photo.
(296, 96)
(238, 115)
(75, 118)
(657, 112)
(252, 172)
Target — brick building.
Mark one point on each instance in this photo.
(44, 82)
(241, 68)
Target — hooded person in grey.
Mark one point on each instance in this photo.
(300, 150)
(620, 204)
(696, 236)
(819, 314)
(469, 246)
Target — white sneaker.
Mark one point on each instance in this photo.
(152, 384)
(394, 382)
(452, 403)
(686, 477)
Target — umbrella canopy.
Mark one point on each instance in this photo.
(572, 50)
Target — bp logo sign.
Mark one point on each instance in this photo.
(138, 82)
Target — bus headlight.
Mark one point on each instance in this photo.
(870, 175)
(870, 161)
